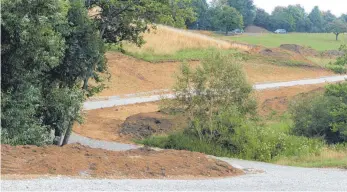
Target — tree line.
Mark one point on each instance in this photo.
(292, 18)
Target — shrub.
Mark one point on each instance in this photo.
(340, 65)
(322, 115)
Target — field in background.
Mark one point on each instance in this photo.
(318, 41)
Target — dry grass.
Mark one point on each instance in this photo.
(166, 40)
(329, 157)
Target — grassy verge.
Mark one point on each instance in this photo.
(318, 41)
(330, 156)
(181, 55)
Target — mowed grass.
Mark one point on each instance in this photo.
(181, 55)
(318, 41)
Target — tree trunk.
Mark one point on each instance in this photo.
(67, 135)
(337, 36)
(226, 32)
(57, 138)
(85, 84)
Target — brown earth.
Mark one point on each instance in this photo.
(104, 124)
(255, 29)
(143, 125)
(130, 75)
(81, 161)
(278, 99)
(306, 51)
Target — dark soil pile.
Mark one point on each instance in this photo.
(146, 124)
(79, 160)
(255, 29)
(300, 49)
(332, 53)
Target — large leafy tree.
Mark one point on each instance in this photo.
(50, 50)
(228, 18)
(246, 8)
(262, 19)
(337, 27)
(317, 19)
(200, 7)
(31, 47)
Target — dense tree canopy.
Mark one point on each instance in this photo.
(51, 49)
(228, 18)
(246, 8)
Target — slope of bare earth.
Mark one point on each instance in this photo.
(130, 75)
(81, 161)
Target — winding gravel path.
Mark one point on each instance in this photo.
(112, 101)
(273, 177)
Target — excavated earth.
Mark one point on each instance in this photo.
(81, 161)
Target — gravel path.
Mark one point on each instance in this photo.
(139, 98)
(273, 177)
(114, 146)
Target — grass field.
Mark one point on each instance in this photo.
(318, 41)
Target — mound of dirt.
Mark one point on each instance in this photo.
(277, 100)
(255, 29)
(82, 161)
(143, 125)
(300, 49)
(332, 53)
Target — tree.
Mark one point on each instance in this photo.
(328, 18)
(317, 19)
(31, 47)
(337, 27)
(262, 19)
(212, 90)
(246, 8)
(50, 50)
(200, 7)
(229, 18)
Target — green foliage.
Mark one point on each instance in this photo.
(246, 8)
(337, 27)
(219, 84)
(262, 19)
(50, 50)
(228, 18)
(317, 20)
(340, 65)
(181, 55)
(318, 41)
(322, 115)
(247, 141)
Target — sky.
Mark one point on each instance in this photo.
(337, 7)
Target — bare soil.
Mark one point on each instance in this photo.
(278, 99)
(104, 124)
(143, 125)
(130, 75)
(81, 161)
(255, 29)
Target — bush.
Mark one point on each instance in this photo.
(322, 115)
(246, 141)
(340, 65)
